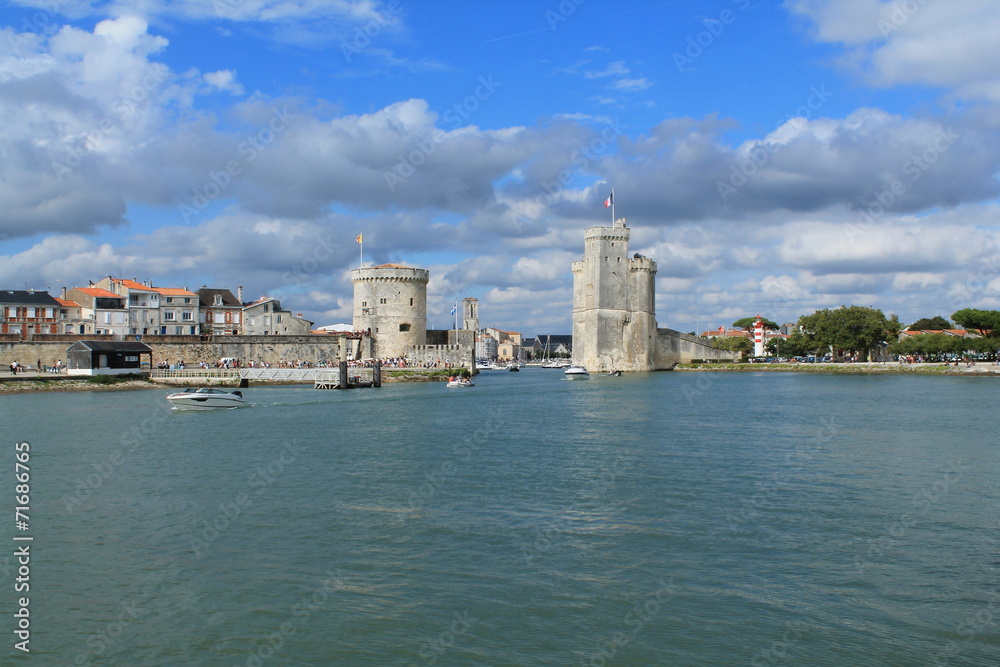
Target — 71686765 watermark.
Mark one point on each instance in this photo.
(22, 540)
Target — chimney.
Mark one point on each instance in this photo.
(239, 294)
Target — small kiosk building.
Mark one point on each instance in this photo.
(98, 357)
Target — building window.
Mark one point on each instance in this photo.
(404, 327)
(218, 299)
(411, 301)
(168, 316)
(383, 301)
(186, 315)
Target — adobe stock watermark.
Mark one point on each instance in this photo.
(987, 271)
(921, 504)
(248, 150)
(324, 247)
(762, 152)
(433, 648)
(123, 109)
(778, 650)
(973, 625)
(34, 24)
(258, 481)
(363, 35)
(698, 43)
(914, 169)
(269, 644)
(897, 15)
(641, 614)
(90, 482)
(101, 643)
(408, 163)
(562, 13)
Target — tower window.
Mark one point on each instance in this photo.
(411, 301)
(404, 327)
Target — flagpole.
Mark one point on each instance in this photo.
(612, 207)
(361, 251)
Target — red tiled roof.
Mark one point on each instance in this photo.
(67, 303)
(97, 291)
(173, 291)
(131, 284)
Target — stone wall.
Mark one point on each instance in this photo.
(190, 349)
(674, 347)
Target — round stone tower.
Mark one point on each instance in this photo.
(391, 300)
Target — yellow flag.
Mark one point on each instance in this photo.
(358, 239)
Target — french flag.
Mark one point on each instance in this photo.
(610, 200)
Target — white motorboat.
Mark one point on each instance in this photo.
(575, 372)
(461, 382)
(205, 399)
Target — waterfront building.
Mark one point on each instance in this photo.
(143, 303)
(266, 317)
(101, 311)
(28, 312)
(70, 317)
(221, 313)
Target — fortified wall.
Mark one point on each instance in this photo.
(190, 349)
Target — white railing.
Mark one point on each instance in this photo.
(264, 374)
(230, 373)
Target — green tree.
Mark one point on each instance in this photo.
(857, 329)
(739, 344)
(746, 323)
(986, 322)
(796, 345)
(930, 324)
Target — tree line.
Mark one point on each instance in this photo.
(858, 331)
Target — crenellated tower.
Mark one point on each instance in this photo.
(614, 314)
(391, 300)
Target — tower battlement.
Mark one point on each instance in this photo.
(614, 325)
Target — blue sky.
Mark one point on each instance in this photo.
(771, 157)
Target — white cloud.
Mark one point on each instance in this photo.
(224, 80)
(948, 44)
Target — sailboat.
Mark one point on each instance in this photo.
(549, 362)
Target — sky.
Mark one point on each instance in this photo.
(771, 157)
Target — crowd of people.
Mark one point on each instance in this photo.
(16, 367)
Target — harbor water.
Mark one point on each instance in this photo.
(651, 519)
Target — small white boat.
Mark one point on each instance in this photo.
(205, 399)
(575, 372)
(461, 382)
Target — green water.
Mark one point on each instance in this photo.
(661, 519)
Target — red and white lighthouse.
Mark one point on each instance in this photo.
(758, 337)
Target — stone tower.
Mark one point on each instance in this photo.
(470, 314)
(391, 300)
(614, 313)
